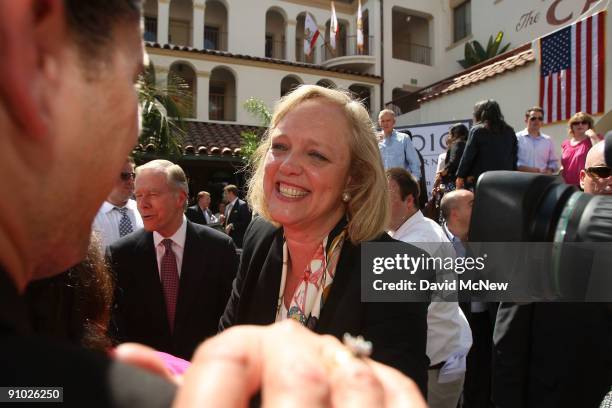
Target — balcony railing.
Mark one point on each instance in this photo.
(346, 48)
(215, 40)
(221, 107)
(275, 49)
(421, 54)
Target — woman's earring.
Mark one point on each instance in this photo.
(346, 197)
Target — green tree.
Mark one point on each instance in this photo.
(475, 53)
(250, 139)
(163, 107)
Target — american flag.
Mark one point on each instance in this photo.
(572, 69)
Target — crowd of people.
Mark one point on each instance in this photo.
(123, 295)
(520, 355)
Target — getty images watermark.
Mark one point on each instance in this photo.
(487, 272)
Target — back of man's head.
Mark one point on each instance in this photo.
(456, 210)
(68, 119)
(408, 185)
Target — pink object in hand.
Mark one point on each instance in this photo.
(175, 364)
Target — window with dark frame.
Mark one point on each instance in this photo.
(462, 21)
(150, 28)
(216, 101)
(269, 46)
(211, 38)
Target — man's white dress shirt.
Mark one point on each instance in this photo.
(449, 336)
(107, 220)
(178, 246)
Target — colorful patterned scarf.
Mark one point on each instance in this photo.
(311, 294)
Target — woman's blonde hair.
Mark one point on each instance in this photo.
(579, 117)
(368, 209)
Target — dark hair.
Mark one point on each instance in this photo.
(489, 113)
(91, 22)
(231, 189)
(406, 182)
(457, 132)
(534, 109)
(75, 306)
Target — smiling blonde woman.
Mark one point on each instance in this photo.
(320, 190)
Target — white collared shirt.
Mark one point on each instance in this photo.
(448, 331)
(229, 208)
(107, 220)
(178, 246)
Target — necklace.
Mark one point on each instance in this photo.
(330, 258)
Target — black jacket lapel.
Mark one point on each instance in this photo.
(192, 272)
(151, 280)
(265, 298)
(347, 267)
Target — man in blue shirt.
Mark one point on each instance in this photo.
(536, 153)
(396, 148)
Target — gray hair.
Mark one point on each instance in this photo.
(175, 175)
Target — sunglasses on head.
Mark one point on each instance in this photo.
(580, 122)
(534, 118)
(125, 176)
(599, 172)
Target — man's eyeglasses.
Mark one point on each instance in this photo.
(534, 118)
(599, 172)
(580, 122)
(125, 176)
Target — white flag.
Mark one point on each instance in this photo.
(311, 33)
(333, 27)
(359, 29)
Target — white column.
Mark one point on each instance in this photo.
(199, 7)
(163, 19)
(290, 39)
(375, 101)
(202, 95)
(376, 33)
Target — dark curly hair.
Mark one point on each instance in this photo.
(75, 306)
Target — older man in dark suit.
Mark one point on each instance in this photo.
(174, 277)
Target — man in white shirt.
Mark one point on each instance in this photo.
(174, 277)
(118, 215)
(536, 153)
(448, 334)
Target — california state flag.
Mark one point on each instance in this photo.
(311, 33)
(333, 27)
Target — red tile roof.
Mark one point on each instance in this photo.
(252, 58)
(206, 139)
(498, 65)
(216, 138)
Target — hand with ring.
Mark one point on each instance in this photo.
(291, 366)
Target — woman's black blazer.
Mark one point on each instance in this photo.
(398, 331)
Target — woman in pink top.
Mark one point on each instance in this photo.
(575, 149)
